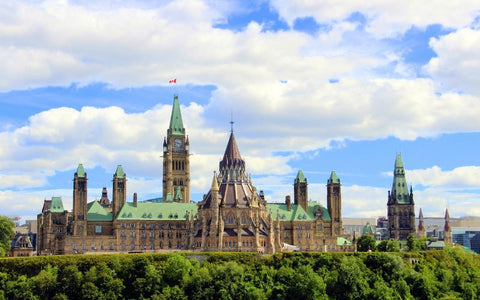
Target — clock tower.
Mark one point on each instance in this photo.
(176, 160)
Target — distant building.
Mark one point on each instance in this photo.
(400, 205)
(23, 244)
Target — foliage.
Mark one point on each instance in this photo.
(447, 274)
(366, 243)
(6, 235)
(388, 246)
(416, 244)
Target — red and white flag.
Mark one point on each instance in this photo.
(173, 81)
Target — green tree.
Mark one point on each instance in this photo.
(366, 243)
(6, 235)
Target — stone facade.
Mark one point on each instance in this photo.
(232, 216)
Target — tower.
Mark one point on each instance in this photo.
(400, 205)
(334, 203)
(176, 161)
(447, 230)
(421, 228)
(300, 190)
(80, 202)
(119, 190)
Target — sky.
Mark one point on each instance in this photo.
(310, 85)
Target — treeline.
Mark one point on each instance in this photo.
(447, 274)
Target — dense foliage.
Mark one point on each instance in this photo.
(6, 234)
(448, 274)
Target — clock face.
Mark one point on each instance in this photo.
(177, 144)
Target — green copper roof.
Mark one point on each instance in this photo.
(57, 205)
(300, 177)
(95, 212)
(119, 172)
(80, 171)
(297, 213)
(157, 211)
(341, 241)
(178, 194)
(176, 124)
(169, 197)
(333, 178)
(368, 229)
(399, 186)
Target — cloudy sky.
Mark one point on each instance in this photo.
(311, 85)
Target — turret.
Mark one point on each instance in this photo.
(334, 203)
(447, 230)
(300, 188)
(80, 196)
(421, 228)
(119, 190)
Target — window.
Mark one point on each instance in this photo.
(132, 225)
(98, 229)
(152, 246)
(132, 246)
(111, 246)
(142, 226)
(123, 225)
(122, 246)
(93, 246)
(74, 246)
(122, 234)
(152, 234)
(84, 247)
(132, 234)
(299, 235)
(144, 234)
(101, 246)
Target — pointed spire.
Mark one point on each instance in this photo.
(176, 123)
(231, 152)
(421, 228)
(447, 215)
(214, 182)
(80, 171)
(446, 228)
(333, 178)
(119, 172)
(300, 177)
(399, 192)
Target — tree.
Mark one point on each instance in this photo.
(366, 243)
(6, 235)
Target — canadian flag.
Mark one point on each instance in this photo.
(173, 81)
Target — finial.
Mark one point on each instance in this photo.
(231, 121)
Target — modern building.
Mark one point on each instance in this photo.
(232, 216)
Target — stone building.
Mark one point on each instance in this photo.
(232, 216)
(400, 205)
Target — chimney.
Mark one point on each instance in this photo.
(135, 199)
(288, 202)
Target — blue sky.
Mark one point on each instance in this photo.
(311, 86)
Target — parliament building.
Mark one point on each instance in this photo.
(232, 216)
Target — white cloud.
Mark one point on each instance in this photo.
(460, 177)
(458, 61)
(385, 18)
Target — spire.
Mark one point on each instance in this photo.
(446, 228)
(214, 182)
(104, 200)
(447, 215)
(119, 172)
(333, 178)
(400, 191)
(420, 222)
(232, 154)
(80, 171)
(176, 124)
(300, 177)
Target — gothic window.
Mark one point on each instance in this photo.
(230, 219)
(152, 234)
(132, 246)
(93, 247)
(142, 226)
(144, 234)
(122, 246)
(122, 234)
(299, 235)
(152, 226)
(123, 225)
(161, 245)
(244, 220)
(132, 225)
(101, 246)
(152, 246)
(144, 246)
(111, 246)
(74, 246)
(132, 234)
